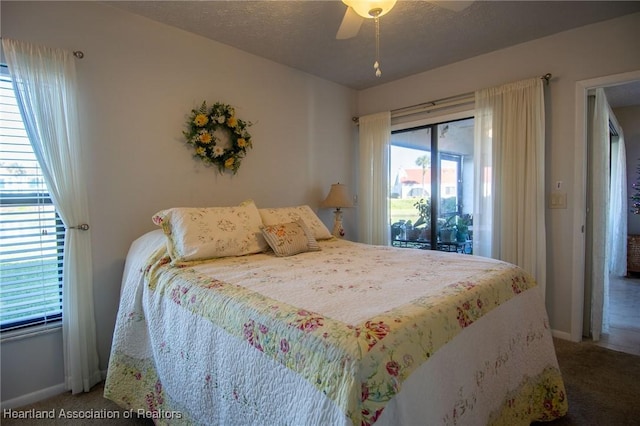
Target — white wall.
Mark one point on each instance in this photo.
(629, 120)
(138, 82)
(139, 79)
(606, 48)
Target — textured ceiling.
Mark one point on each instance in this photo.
(415, 36)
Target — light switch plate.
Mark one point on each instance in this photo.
(558, 200)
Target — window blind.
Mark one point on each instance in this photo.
(31, 233)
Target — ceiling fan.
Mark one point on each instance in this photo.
(358, 10)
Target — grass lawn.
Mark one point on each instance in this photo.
(403, 209)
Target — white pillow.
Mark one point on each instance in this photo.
(291, 214)
(199, 233)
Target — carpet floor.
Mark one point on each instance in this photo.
(603, 388)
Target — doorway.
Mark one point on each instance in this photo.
(621, 334)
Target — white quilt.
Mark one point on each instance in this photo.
(349, 334)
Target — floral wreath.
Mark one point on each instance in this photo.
(204, 127)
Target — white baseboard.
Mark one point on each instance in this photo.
(38, 395)
(30, 398)
(562, 335)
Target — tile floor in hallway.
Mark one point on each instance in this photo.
(624, 316)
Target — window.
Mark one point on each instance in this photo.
(431, 194)
(32, 234)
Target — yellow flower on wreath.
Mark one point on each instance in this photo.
(205, 137)
(201, 120)
(207, 129)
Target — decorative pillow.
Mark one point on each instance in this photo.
(291, 214)
(287, 239)
(210, 232)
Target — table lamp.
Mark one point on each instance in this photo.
(338, 198)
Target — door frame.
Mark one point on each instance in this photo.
(580, 194)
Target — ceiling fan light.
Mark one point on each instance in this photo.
(363, 7)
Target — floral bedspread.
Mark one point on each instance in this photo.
(346, 326)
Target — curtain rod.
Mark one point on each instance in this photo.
(449, 102)
(77, 53)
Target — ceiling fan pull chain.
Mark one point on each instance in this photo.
(376, 64)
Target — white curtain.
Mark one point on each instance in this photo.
(608, 207)
(509, 216)
(373, 182)
(45, 84)
(599, 187)
(617, 231)
(617, 222)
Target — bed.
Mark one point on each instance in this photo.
(280, 323)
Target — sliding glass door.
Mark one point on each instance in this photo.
(431, 193)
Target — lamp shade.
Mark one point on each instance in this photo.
(363, 7)
(338, 197)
